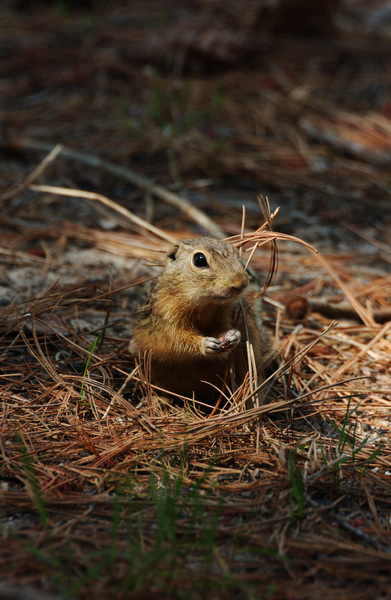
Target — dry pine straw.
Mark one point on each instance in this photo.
(41, 394)
(89, 421)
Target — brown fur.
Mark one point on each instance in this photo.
(191, 319)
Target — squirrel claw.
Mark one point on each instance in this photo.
(212, 345)
(225, 342)
(230, 339)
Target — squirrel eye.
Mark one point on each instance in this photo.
(199, 260)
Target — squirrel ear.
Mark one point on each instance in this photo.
(173, 251)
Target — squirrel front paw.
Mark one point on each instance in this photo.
(230, 339)
(225, 342)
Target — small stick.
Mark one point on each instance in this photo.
(343, 310)
(364, 315)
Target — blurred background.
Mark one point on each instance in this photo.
(218, 100)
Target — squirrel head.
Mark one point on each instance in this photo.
(205, 271)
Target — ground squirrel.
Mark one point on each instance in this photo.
(192, 321)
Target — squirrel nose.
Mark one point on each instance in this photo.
(239, 283)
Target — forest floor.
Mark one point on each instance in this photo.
(181, 117)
